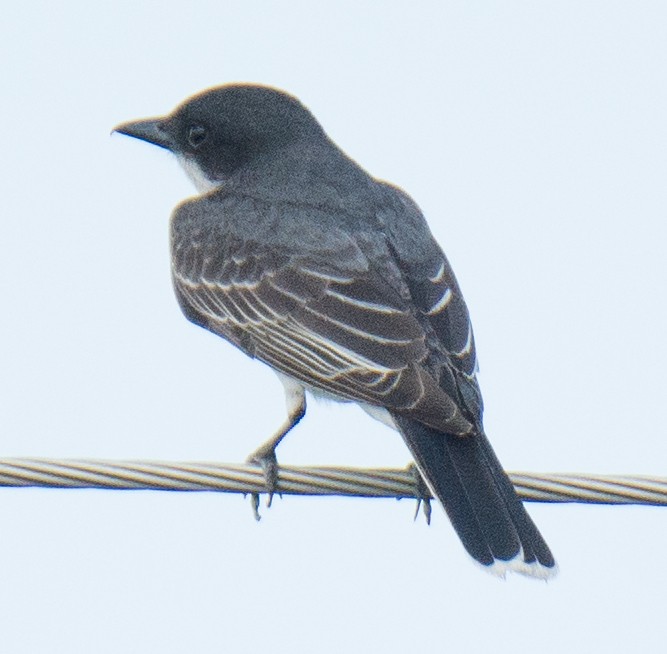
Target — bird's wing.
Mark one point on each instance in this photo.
(291, 288)
(437, 296)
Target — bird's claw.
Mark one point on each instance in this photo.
(266, 459)
(254, 503)
(425, 504)
(422, 494)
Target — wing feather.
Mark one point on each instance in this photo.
(325, 315)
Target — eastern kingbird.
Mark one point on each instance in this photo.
(301, 259)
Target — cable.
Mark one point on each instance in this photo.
(292, 480)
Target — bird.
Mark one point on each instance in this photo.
(301, 259)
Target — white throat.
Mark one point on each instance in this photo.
(196, 175)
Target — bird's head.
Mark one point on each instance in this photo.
(223, 129)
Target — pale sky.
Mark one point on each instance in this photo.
(534, 138)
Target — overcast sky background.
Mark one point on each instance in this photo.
(533, 136)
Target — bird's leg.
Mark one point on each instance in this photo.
(265, 455)
(423, 493)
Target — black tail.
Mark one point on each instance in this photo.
(490, 519)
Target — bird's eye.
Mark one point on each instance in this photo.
(196, 135)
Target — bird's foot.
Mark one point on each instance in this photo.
(423, 494)
(265, 457)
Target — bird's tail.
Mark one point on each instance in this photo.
(479, 498)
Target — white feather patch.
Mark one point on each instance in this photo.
(196, 175)
(441, 303)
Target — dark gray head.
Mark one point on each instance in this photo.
(222, 129)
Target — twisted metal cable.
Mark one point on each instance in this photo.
(292, 480)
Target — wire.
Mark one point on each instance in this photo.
(247, 478)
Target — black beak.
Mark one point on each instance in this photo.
(151, 130)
